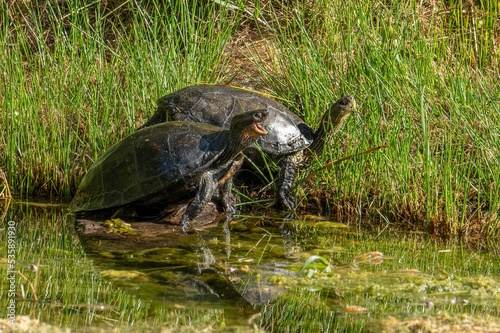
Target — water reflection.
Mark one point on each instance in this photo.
(222, 265)
(226, 272)
(221, 268)
(4, 207)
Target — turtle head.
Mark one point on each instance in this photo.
(245, 129)
(340, 110)
(332, 121)
(249, 124)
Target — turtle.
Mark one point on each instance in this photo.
(169, 161)
(288, 135)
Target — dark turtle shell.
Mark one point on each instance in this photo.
(288, 141)
(216, 105)
(151, 167)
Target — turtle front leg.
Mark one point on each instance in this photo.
(206, 191)
(226, 184)
(286, 181)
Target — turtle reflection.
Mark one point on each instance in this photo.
(210, 266)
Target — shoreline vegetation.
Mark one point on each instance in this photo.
(78, 77)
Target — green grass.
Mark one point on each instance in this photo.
(77, 78)
(69, 291)
(421, 89)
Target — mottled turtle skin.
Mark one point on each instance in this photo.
(288, 135)
(167, 162)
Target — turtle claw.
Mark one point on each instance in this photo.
(186, 224)
(291, 215)
(289, 204)
(230, 213)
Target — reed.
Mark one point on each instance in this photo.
(77, 78)
(423, 88)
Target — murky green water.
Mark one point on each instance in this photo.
(262, 273)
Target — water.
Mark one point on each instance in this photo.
(153, 276)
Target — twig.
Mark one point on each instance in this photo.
(5, 191)
(348, 157)
(32, 288)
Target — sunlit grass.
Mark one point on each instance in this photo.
(77, 78)
(421, 88)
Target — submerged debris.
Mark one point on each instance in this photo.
(356, 309)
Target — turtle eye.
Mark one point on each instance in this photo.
(257, 115)
(344, 102)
